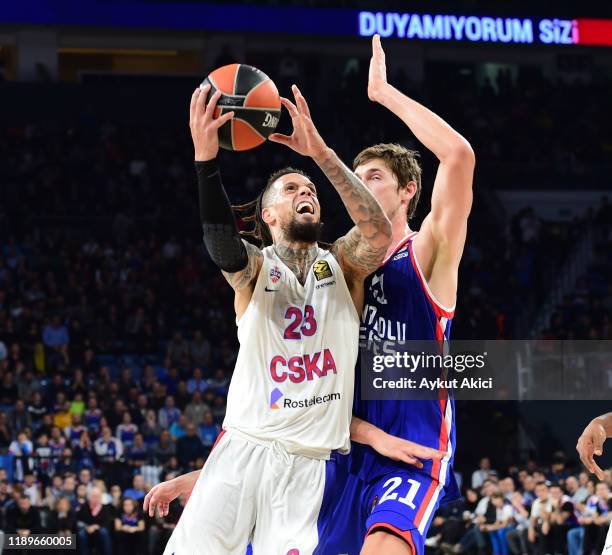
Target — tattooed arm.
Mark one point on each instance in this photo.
(362, 250)
(243, 281)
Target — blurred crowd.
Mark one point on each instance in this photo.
(534, 510)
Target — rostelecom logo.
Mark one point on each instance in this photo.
(275, 397)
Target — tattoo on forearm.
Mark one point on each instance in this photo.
(366, 245)
(239, 280)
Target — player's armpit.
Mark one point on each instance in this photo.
(247, 276)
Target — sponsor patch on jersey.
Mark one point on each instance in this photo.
(275, 274)
(275, 397)
(321, 270)
(401, 255)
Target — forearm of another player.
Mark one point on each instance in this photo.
(362, 206)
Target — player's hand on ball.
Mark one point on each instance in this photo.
(160, 498)
(305, 139)
(590, 443)
(377, 77)
(203, 124)
(398, 449)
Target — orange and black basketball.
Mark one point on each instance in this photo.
(254, 98)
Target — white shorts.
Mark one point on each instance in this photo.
(249, 492)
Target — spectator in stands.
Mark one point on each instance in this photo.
(480, 475)
(178, 349)
(53, 491)
(23, 518)
(129, 528)
(517, 536)
(69, 489)
(169, 414)
(20, 417)
(208, 430)
(182, 396)
(75, 430)
(560, 520)
(165, 449)
(85, 479)
(189, 448)
(540, 509)
(138, 490)
(501, 524)
(22, 449)
(27, 385)
(219, 383)
(199, 350)
(37, 409)
(137, 454)
(150, 429)
(197, 382)
(107, 447)
(55, 334)
(218, 409)
(179, 429)
(196, 409)
(93, 414)
(94, 522)
(62, 520)
(126, 430)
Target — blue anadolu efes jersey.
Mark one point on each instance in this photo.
(399, 306)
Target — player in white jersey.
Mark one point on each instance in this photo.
(297, 310)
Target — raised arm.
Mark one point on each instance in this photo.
(362, 250)
(239, 261)
(439, 244)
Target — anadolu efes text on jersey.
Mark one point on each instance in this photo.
(294, 376)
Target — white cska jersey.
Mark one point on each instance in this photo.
(294, 376)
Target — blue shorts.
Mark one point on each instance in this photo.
(402, 502)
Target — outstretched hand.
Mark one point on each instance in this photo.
(305, 139)
(377, 76)
(590, 444)
(160, 498)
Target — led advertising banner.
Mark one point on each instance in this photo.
(307, 21)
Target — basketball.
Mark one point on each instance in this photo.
(254, 98)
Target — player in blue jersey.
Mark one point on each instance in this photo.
(375, 504)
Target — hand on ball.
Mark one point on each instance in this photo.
(203, 124)
(305, 139)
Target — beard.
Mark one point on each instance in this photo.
(303, 232)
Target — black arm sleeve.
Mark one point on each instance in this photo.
(221, 235)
